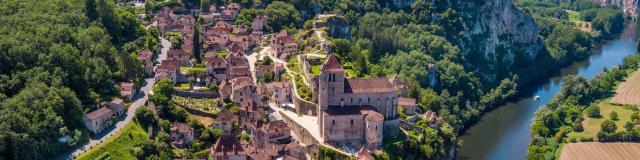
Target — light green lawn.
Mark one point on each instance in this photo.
(315, 69)
(574, 16)
(592, 125)
(119, 145)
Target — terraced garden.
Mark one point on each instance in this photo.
(203, 104)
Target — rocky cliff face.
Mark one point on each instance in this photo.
(495, 32)
(629, 7)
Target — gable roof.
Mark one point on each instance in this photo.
(225, 116)
(368, 85)
(98, 113)
(117, 101)
(227, 145)
(406, 101)
(332, 64)
(363, 154)
(181, 128)
(276, 126)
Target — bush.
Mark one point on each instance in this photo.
(608, 126)
(613, 116)
(635, 116)
(629, 126)
(593, 111)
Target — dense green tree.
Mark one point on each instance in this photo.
(608, 126)
(282, 15)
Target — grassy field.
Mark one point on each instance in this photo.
(592, 125)
(119, 145)
(574, 16)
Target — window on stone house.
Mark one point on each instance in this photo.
(369, 100)
(333, 122)
(351, 122)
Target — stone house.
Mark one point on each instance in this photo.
(227, 147)
(225, 120)
(399, 85)
(263, 69)
(127, 89)
(249, 114)
(259, 23)
(98, 120)
(277, 132)
(182, 134)
(178, 55)
(217, 67)
(224, 88)
(359, 109)
(409, 105)
(283, 46)
(280, 92)
(294, 151)
(229, 15)
(168, 69)
(241, 30)
(432, 118)
(242, 90)
(117, 106)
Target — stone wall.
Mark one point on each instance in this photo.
(305, 107)
(303, 135)
(344, 128)
(197, 94)
(408, 126)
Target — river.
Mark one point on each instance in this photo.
(503, 134)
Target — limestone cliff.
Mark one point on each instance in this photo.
(495, 32)
(629, 7)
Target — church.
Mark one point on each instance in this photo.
(357, 110)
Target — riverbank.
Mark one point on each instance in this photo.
(503, 133)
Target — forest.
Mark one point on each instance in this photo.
(56, 59)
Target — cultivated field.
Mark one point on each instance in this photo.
(629, 91)
(600, 151)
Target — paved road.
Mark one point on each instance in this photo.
(140, 100)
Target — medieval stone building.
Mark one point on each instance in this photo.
(359, 110)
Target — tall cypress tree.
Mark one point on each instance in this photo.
(196, 40)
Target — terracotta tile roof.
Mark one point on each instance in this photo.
(363, 154)
(332, 64)
(241, 82)
(293, 147)
(239, 71)
(144, 54)
(216, 61)
(276, 126)
(104, 111)
(117, 101)
(227, 145)
(406, 101)
(181, 128)
(226, 116)
(126, 86)
(368, 85)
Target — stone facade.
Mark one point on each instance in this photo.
(355, 110)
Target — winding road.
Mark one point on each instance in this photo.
(140, 100)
